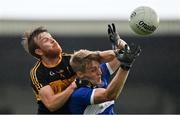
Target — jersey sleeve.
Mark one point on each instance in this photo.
(83, 95)
(80, 99)
(109, 69)
(105, 77)
(37, 80)
(105, 69)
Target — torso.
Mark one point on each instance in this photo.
(80, 100)
(58, 77)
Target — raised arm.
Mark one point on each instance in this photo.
(117, 44)
(113, 90)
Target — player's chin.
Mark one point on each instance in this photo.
(57, 49)
(98, 81)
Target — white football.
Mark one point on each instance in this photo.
(144, 20)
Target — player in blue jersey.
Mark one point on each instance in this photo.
(96, 93)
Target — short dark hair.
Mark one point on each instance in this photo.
(31, 45)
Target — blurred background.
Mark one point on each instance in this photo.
(153, 84)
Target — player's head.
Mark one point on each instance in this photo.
(86, 64)
(40, 43)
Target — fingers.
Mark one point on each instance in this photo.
(110, 29)
(138, 51)
(114, 28)
(132, 47)
(126, 49)
(135, 49)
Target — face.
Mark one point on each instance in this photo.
(49, 47)
(93, 73)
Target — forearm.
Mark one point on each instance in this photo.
(55, 101)
(116, 85)
(60, 99)
(107, 56)
(114, 88)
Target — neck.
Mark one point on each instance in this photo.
(51, 62)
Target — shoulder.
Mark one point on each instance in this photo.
(104, 68)
(82, 94)
(80, 97)
(36, 76)
(38, 72)
(36, 67)
(83, 91)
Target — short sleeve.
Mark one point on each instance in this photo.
(80, 99)
(105, 77)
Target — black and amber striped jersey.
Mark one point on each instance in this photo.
(59, 77)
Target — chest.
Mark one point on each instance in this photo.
(60, 72)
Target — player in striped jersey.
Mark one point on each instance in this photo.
(52, 76)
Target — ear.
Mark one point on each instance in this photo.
(79, 74)
(38, 51)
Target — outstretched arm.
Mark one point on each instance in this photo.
(113, 90)
(117, 43)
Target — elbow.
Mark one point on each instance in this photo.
(50, 107)
(110, 97)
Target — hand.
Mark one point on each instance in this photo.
(127, 56)
(73, 85)
(113, 36)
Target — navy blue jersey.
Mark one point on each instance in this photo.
(81, 100)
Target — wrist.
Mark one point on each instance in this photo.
(125, 66)
(72, 86)
(120, 44)
(117, 52)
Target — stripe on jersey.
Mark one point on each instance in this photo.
(34, 77)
